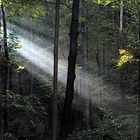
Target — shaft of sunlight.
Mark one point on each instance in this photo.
(41, 57)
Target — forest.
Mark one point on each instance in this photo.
(69, 69)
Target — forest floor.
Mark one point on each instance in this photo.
(109, 97)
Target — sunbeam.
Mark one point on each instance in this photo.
(41, 57)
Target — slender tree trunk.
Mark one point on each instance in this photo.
(1, 119)
(87, 91)
(5, 32)
(0, 22)
(31, 82)
(98, 61)
(121, 25)
(104, 53)
(139, 79)
(10, 86)
(55, 76)
(19, 83)
(88, 70)
(121, 16)
(6, 66)
(84, 88)
(139, 102)
(31, 73)
(120, 47)
(1, 122)
(1, 112)
(0, 31)
(71, 71)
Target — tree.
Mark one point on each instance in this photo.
(5, 81)
(71, 71)
(139, 79)
(1, 118)
(84, 39)
(121, 46)
(55, 76)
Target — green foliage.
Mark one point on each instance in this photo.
(20, 68)
(30, 104)
(26, 114)
(26, 8)
(125, 57)
(123, 127)
(104, 2)
(38, 11)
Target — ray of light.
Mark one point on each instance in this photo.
(41, 57)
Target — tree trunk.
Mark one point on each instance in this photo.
(31, 81)
(121, 72)
(0, 31)
(1, 112)
(139, 79)
(20, 83)
(71, 71)
(6, 66)
(104, 60)
(1, 119)
(5, 32)
(86, 80)
(1, 123)
(84, 59)
(121, 16)
(55, 75)
(10, 86)
(98, 61)
(139, 102)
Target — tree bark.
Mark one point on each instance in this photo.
(1, 123)
(1, 118)
(121, 16)
(71, 71)
(98, 61)
(10, 86)
(20, 83)
(55, 75)
(121, 46)
(104, 60)
(0, 31)
(4, 32)
(86, 80)
(139, 79)
(6, 66)
(139, 101)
